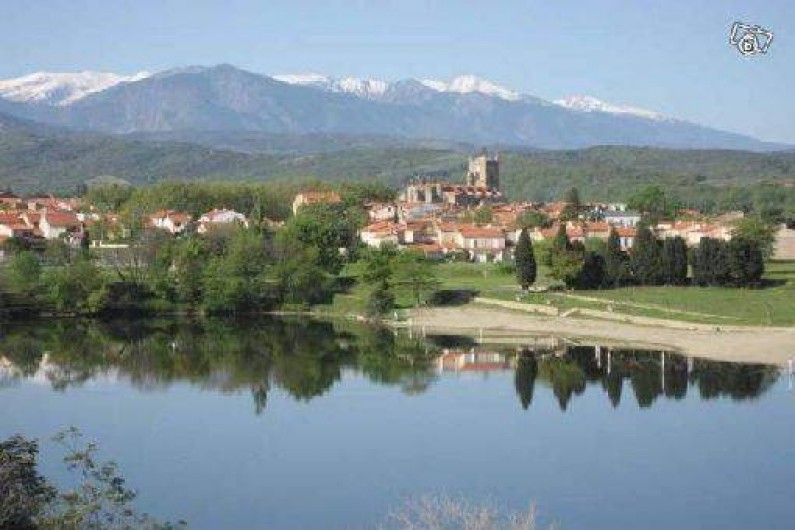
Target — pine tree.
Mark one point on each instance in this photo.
(524, 257)
(674, 261)
(646, 257)
(615, 260)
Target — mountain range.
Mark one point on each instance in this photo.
(220, 104)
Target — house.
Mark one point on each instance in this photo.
(622, 218)
(216, 217)
(11, 225)
(379, 211)
(315, 197)
(174, 222)
(380, 233)
(482, 244)
(626, 235)
(56, 224)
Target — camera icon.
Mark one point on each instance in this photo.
(750, 40)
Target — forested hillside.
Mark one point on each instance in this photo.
(37, 158)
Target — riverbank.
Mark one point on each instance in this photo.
(771, 345)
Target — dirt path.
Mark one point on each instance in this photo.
(731, 343)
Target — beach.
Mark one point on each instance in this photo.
(770, 345)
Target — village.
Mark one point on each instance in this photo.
(470, 221)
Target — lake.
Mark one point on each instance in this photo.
(301, 424)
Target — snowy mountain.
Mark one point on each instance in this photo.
(61, 89)
(363, 88)
(225, 99)
(591, 104)
(468, 84)
(376, 88)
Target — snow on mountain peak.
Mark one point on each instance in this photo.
(365, 88)
(591, 104)
(61, 88)
(467, 84)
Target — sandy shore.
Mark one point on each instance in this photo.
(731, 343)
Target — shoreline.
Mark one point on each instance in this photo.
(749, 344)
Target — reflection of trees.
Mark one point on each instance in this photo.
(566, 377)
(303, 357)
(391, 359)
(650, 374)
(737, 381)
(525, 379)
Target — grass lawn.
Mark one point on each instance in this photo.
(772, 305)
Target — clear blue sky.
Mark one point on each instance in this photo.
(666, 55)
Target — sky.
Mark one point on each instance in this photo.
(671, 56)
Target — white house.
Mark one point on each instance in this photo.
(54, 224)
(174, 222)
(627, 219)
(220, 217)
(380, 233)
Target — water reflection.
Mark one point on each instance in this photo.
(306, 358)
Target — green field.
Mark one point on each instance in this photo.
(772, 305)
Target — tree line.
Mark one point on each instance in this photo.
(739, 262)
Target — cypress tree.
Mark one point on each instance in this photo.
(711, 263)
(592, 274)
(674, 261)
(615, 260)
(745, 262)
(561, 241)
(646, 258)
(525, 260)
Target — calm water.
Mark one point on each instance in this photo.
(299, 424)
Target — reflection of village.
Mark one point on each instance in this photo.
(570, 369)
(306, 360)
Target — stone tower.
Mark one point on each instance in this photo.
(484, 171)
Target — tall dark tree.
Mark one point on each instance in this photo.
(710, 263)
(561, 240)
(674, 261)
(645, 258)
(524, 257)
(592, 274)
(615, 260)
(745, 262)
(573, 204)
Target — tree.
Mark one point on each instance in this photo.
(755, 229)
(380, 301)
(24, 271)
(615, 260)
(744, 262)
(573, 205)
(526, 268)
(652, 201)
(24, 493)
(646, 258)
(710, 265)
(483, 215)
(534, 219)
(674, 261)
(592, 273)
(561, 240)
(415, 274)
(79, 287)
